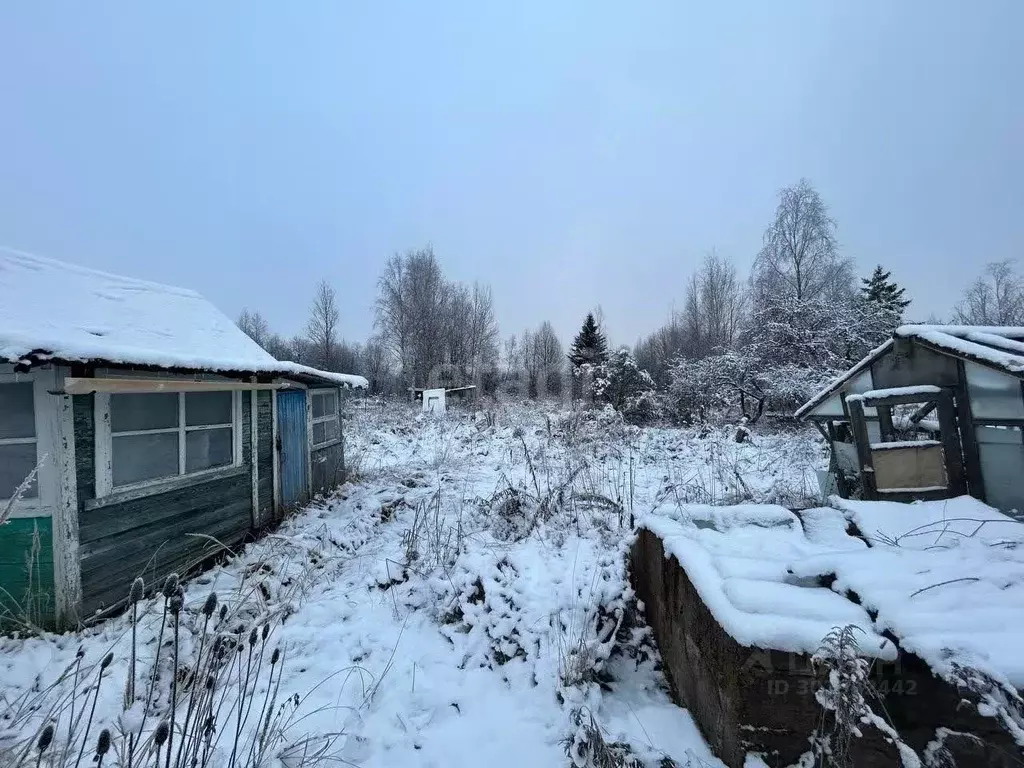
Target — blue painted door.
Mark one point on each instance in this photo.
(294, 446)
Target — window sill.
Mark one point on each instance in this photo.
(328, 444)
(164, 485)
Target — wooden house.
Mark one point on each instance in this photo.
(934, 412)
(150, 428)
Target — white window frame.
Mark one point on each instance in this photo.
(104, 447)
(336, 416)
(28, 506)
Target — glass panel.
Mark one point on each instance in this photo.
(129, 413)
(860, 385)
(16, 461)
(993, 395)
(332, 429)
(17, 415)
(325, 431)
(833, 406)
(874, 431)
(144, 457)
(324, 404)
(1001, 450)
(207, 408)
(207, 448)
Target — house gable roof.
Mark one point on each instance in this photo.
(838, 382)
(52, 310)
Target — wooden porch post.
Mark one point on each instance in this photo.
(863, 443)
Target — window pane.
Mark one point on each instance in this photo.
(207, 408)
(16, 461)
(324, 405)
(144, 457)
(129, 413)
(17, 416)
(325, 431)
(860, 385)
(993, 395)
(833, 406)
(332, 429)
(206, 448)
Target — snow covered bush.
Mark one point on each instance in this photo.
(626, 387)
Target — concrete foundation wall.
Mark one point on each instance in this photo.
(754, 700)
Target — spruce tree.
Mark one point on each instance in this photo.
(881, 306)
(883, 292)
(590, 345)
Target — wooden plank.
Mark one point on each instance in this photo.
(885, 425)
(108, 588)
(162, 549)
(265, 455)
(275, 456)
(108, 555)
(898, 400)
(108, 520)
(969, 437)
(83, 386)
(863, 444)
(85, 447)
(254, 467)
(67, 562)
(921, 412)
(950, 437)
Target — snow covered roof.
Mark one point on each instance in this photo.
(58, 311)
(999, 347)
(840, 380)
(983, 344)
(945, 578)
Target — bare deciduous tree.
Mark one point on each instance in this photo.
(800, 256)
(322, 328)
(375, 366)
(482, 329)
(543, 360)
(255, 326)
(997, 298)
(426, 322)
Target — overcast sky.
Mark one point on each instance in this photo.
(568, 153)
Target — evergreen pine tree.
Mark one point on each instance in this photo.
(881, 306)
(883, 292)
(590, 345)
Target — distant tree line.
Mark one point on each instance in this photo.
(738, 344)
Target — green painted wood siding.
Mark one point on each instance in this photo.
(26, 592)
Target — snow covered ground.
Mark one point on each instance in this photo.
(464, 602)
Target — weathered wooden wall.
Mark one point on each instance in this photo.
(265, 454)
(148, 536)
(328, 468)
